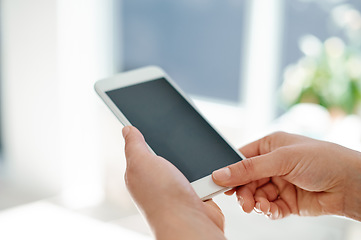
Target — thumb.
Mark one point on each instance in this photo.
(135, 146)
(272, 164)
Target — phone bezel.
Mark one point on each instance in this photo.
(204, 187)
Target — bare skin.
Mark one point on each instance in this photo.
(165, 197)
(289, 174)
(283, 174)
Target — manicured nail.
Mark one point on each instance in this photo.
(222, 174)
(257, 208)
(241, 201)
(125, 131)
(276, 215)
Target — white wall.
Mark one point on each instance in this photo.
(29, 97)
(58, 136)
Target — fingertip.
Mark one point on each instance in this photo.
(245, 199)
(274, 212)
(248, 206)
(230, 192)
(222, 175)
(275, 215)
(240, 201)
(264, 205)
(125, 131)
(134, 142)
(131, 134)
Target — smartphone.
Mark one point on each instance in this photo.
(172, 126)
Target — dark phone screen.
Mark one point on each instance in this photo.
(173, 128)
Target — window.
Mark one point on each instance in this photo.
(313, 17)
(197, 43)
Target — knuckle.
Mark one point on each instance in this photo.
(244, 169)
(248, 165)
(273, 137)
(270, 141)
(279, 134)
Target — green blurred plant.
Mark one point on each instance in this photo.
(330, 72)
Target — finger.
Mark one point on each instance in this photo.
(281, 209)
(258, 184)
(230, 192)
(268, 191)
(254, 185)
(135, 145)
(262, 203)
(269, 143)
(266, 144)
(245, 194)
(275, 163)
(263, 206)
(288, 193)
(274, 211)
(275, 190)
(245, 198)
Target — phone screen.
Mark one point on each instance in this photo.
(173, 128)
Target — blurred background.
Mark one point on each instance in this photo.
(251, 66)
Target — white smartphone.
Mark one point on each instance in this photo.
(173, 128)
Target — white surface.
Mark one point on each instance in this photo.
(130, 78)
(42, 220)
(240, 225)
(206, 188)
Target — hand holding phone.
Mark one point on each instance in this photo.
(165, 197)
(172, 127)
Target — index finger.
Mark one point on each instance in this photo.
(267, 144)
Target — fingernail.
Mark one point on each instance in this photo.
(222, 174)
(241, 201)
(258, 206)
(125, 131)
(257, 211)
(276, 215)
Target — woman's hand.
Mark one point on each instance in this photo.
(289, 174)
(165, 196)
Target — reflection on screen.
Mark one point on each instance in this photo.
(173, 129)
